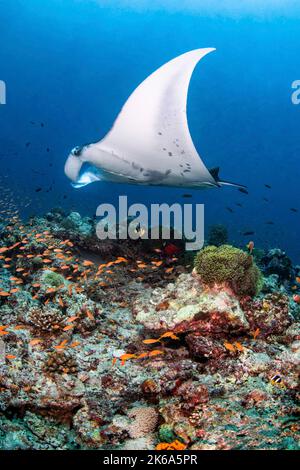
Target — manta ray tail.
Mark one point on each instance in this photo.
(215, 174)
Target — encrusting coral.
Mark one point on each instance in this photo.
(230, 266)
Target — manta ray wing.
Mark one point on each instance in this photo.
(151, 132)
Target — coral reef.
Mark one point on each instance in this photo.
(120, 345)
(276, 261)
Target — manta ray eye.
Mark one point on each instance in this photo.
(77, 151)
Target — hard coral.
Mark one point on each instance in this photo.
(46, 319)
(144, 421)
(230, 266)
(60, 363)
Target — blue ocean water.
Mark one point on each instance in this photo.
(69, 66)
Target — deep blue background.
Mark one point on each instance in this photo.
(72, 64)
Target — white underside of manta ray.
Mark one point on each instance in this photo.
(150, 142)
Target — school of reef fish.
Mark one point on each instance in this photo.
(141, 345)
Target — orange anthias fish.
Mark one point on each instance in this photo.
(229, 346)
(239, 346)
(61, 345)
(87, 263)
(90, 315)
(169, 270)
(33, 342)
(68, 327)
(2, 330)
(255, 333)
(13, 291)
(142, 355)
(71, 319)
(298, 280)
(168, 334)
(150, 341)
(126, 357)
(4, 294)
(155, 352)
(50, 290)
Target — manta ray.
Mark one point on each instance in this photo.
(150, 142)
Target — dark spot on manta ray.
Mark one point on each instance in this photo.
(164, 148)
(182, 152)
(170, 154)
(181, 166)
(159, 133)
(186, 171)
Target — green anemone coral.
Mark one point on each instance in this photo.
(230, 266)
(52, 279)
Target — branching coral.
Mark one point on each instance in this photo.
(46, 320)
(230, 266)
